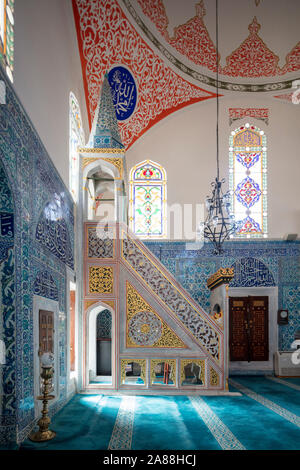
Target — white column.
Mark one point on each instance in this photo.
(118, 200)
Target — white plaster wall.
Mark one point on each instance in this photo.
(185, 144)
(47, 68)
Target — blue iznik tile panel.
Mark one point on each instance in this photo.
(257, 264)
(36, 249)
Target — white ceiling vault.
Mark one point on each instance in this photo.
(279, 20)
(169, 47)
(258, 44)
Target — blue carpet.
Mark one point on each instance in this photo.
(163, 422)
(278, 393)
(82, 424)
(255, 426)
(292, 380)
(264, 417)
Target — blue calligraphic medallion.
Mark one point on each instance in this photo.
(124, 91)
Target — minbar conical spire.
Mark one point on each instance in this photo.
(105, 129)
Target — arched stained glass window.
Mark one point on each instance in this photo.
(7, 36)
(248, 180)
(147, 204)
(76, 136)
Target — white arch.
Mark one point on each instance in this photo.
(90, 346)
(89, 170)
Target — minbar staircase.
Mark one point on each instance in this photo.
(155, 320)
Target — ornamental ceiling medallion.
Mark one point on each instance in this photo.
(252, 58)
(112, 37)
(105, 31)
(285, 97)
(144, 327)
(192, 40)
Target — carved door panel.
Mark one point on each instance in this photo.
(46, 331)
(259, 334)
(248, 329)
(238, 341)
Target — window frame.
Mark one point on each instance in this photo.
(148, 182)
(262, 149)
(75, 128)
(7, 42)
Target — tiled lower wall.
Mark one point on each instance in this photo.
(36, 259)
(257, 264)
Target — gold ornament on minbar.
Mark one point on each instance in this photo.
(44, 433)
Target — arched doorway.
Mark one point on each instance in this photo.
(100, 346)
(103, 346)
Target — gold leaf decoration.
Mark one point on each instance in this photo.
(101, 280)
(136, 304)
(214, 378)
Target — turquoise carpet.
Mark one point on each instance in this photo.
(265, 417)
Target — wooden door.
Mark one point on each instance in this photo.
(259, 330)
(46, 331)
(238, 338)
(248, 329)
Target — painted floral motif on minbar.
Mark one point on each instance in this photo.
(207, 337)
(101, 280)
(145, 328)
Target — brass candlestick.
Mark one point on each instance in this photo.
(44, 433)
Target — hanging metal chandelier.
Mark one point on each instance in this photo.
(220, 222)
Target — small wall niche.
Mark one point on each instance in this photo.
(133, 372)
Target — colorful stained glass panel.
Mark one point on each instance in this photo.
(148, 210)
(2, 21)
(248, 180)
(148, 200)
(7, 36)
(148, 172)
(76, 136)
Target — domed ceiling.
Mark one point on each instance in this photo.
(161, 54)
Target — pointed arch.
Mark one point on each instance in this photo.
(148, 200)
(252, 272)
(89, 346)
(248, 180)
